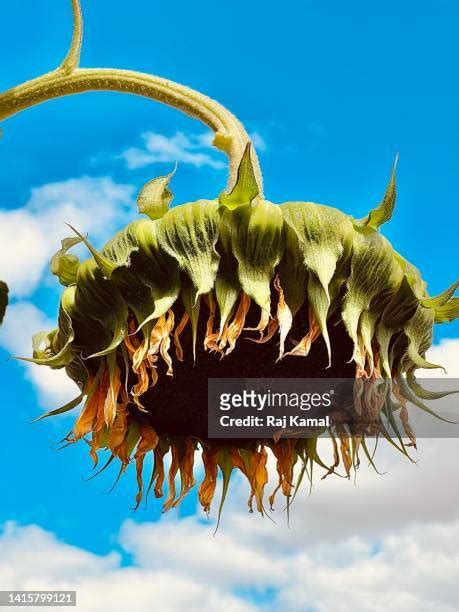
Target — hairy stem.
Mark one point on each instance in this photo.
(230, 135)
(72, 59)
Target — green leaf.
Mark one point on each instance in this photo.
(152, 283)
(189, 233)
(227, 285)
(53, 349)
(367, 325)
(121, 247)
(254, 235)
(375, 273)
(105, 265)
(63, 265)
(418, 330)
(323, 235)
(369, 456)
(227, 290)
(422, 393)
(293, 274)
(155, 197)
(383, 212)
(396, 313)
(319, 301)
(447, 313)
(69, 406)
(246, 188)
(412, 275)
(77, 370)
(192, 305)
(98, 299)
(89, 333)
(132, 437)
(441, 299)
(225, 464)
(411, 397)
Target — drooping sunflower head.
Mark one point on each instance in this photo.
(233, 287)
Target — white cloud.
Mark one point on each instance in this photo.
(445, 353)
(31, 234)
(413, 571)
(353, 550)
(60, 560)
(22, 321)
(240, 565)
(35, 559)
(387, 542)
(258, 141)
(193, 149)
(371, 508)
(345, 544)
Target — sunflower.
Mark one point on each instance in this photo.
(232, 287)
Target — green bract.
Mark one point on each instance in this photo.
(223, 249)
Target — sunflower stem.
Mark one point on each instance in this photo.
(68, 79)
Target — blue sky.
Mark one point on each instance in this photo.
(332, 92)
(336, 91)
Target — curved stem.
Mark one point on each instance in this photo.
(72, 59)
(230, 135)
